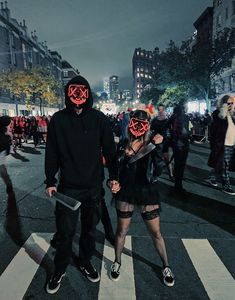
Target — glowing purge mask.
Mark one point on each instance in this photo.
(78, 94)
(138, 127)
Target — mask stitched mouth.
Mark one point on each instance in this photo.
(138, 127)
(78, 94)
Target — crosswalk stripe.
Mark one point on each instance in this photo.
(218, 282)
(17, 277)
(125, 287)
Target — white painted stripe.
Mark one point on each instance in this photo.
(218, 282)
(17, 277)
(125, 287)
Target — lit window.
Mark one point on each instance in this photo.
(142, 69)
(66, 74)
(146, 76)
(138, 69)
(142, 53)
(138, 74)
(150, 76)
(150, 56)
(138, 53)
(142, 75)
(154, 68)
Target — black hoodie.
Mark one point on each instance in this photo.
(5, 140)
(74, 145)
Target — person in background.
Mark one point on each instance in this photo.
(5, 145)
(18, 131)
(179, 127)
(159, 126)
(222, 143)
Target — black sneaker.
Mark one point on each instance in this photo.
(168, 277)
(228, 190)
(90, 272)
(115, 271)
(213, 182)
(54, 283)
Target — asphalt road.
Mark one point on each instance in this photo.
(198, 230)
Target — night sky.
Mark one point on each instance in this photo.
(99, 36)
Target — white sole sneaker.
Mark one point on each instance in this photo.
(212, 184)
(115, 269)
(228, 193)
(53, 291)
(168, 284)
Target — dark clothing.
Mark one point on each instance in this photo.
(73, 148)
(66, 221)
(137, 179)
(218, 131)
(124, 123)
(5, 142)
(180, 157)
(179, 131)
(74, 145)
(159, 126)
(229, 152)
(105, 219)
(222, 158)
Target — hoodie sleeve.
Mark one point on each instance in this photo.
(51, 156)
(109, 149)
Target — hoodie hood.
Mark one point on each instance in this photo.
(78, 80)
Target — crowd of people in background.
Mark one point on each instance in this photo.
(23, 128)
(194, 126)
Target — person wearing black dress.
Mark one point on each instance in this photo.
(138, 159)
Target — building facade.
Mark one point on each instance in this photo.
(224, 17)
(106, 86)
(68, 72)
(21, 50)
(114, 87)
(204, 27)
(143, 68)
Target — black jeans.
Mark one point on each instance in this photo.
(180, 153)
(66, 221)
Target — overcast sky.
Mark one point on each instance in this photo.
(99, 36)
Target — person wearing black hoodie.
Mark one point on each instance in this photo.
(5, 145)
(76, 136)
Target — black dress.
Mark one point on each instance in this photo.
(138, 183)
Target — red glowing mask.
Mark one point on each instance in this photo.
(78, 94)
(138, 127)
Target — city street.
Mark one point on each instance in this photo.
(198, 229)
